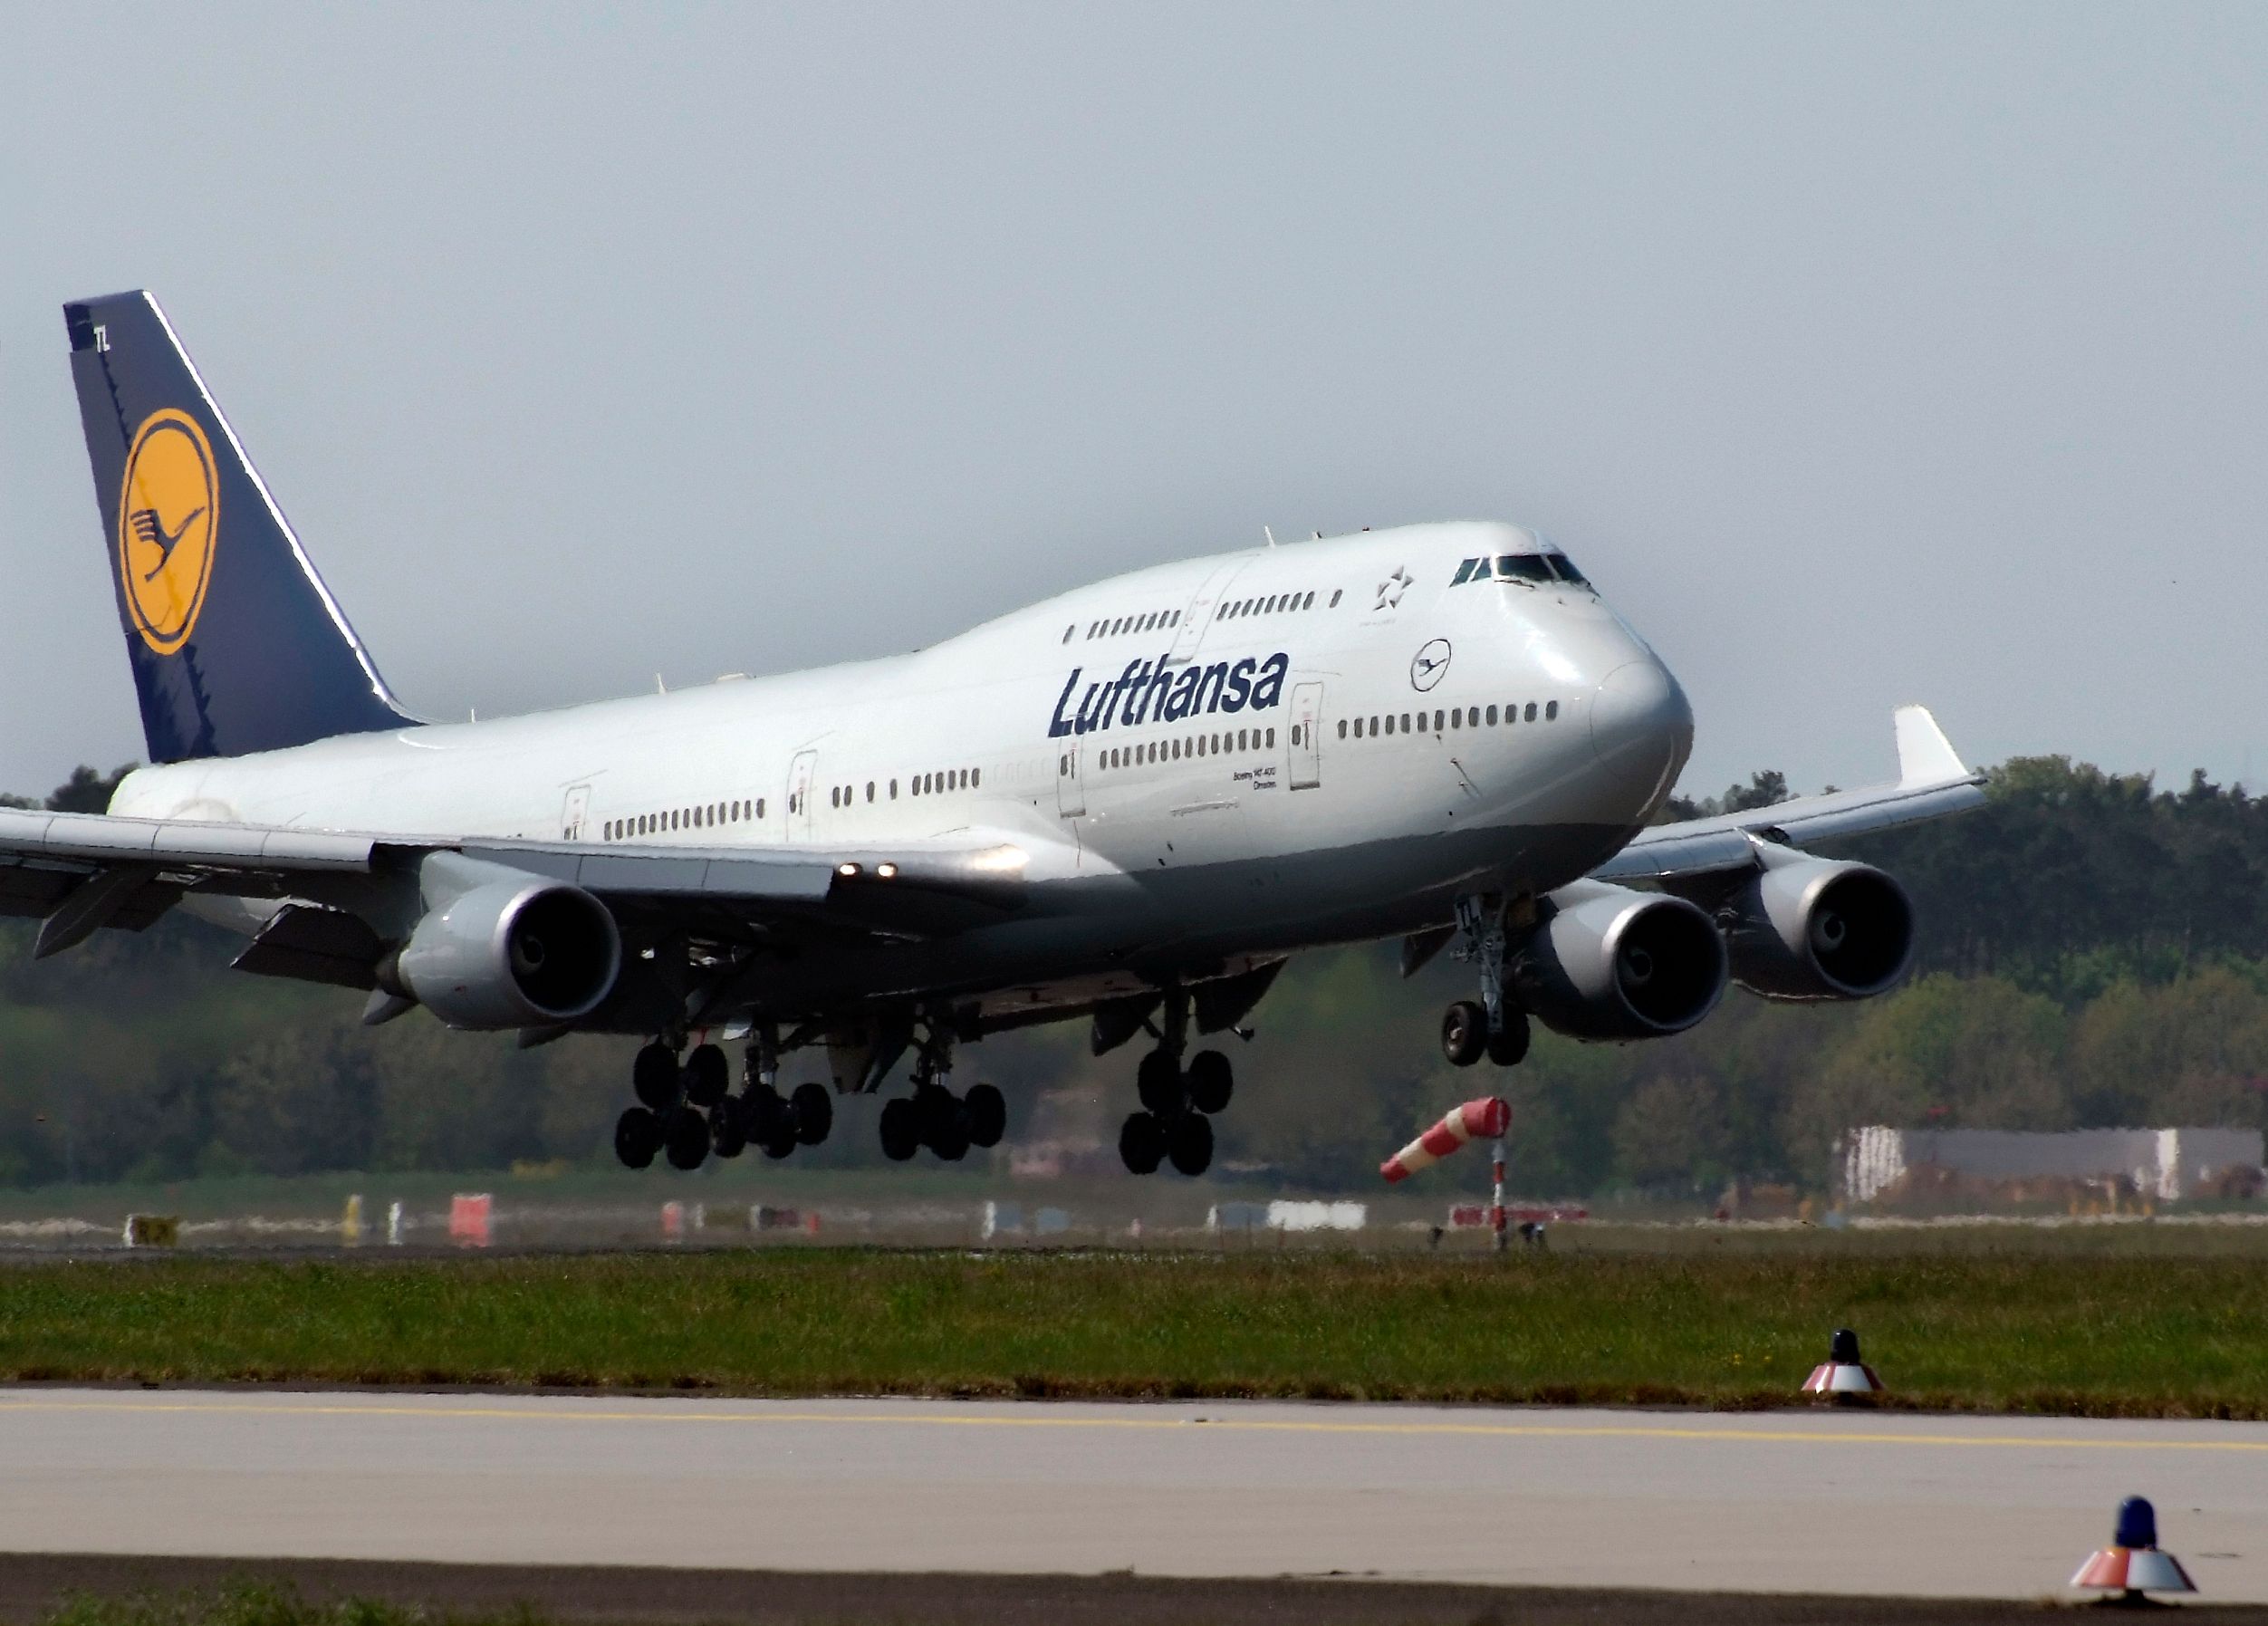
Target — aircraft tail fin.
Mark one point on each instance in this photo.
(235, 643)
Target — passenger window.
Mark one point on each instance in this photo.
(870, 790)
(1069, 631)
(1342, 727)
(1272, 737)
(1531, 711)
(1334, 599)
(1437, 722)
(1405, 722)
(1457, 720)
(1390, 722)
(1551, 712)
(976, 777)
(1374, 727)
(1308, 602)
(893, 790)
(759, 807)
(1174, 620)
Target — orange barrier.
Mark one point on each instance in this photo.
(468, 1219)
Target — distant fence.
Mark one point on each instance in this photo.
(2167, 1164)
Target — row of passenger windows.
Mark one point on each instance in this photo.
(1111, 628)
(920, 784)
(1271, 603)
(1467, 717)
(683, 818)
(1174, 750)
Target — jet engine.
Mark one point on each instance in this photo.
(514, 952)
(1610, 963)
(1806, 928)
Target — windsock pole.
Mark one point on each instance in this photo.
(1496, 1202)
(1489, 1116)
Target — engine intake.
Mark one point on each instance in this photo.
(514, 952)
(1812, 929)
(1611, 963)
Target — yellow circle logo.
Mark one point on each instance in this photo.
(168, 517)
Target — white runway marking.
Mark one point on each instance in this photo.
(1782, 1501)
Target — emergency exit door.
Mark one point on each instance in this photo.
(1306, 744)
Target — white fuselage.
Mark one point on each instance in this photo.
(1379, 733)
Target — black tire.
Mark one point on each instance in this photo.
(728, 1127)
(1211, 1081)
(1142, 1144)
(1158, 1084)
(901, 1130)
(761, 1110)
(950, 1140)
(636, 1138)
(707, 1075)
(935, 1108)
(781, 1140)
(654, 1077)
(687, 1138)
(812, 1110)
(987, 1115)
(1463, 1033)
(1189, 1143)
(1510, 1047)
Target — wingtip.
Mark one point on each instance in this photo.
(1925, 755)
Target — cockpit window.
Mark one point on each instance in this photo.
(1565, 568)
(1522, 567)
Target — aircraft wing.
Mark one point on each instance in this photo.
(78, 872)
(1932, 782)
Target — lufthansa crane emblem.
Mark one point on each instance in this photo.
(1430, 664)
(169, 519)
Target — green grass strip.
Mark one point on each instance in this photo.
(2082, 1335)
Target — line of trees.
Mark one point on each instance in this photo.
(2092, 955)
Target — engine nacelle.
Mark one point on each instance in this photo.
(516, 951)
(1611, 963)
(1811, 928)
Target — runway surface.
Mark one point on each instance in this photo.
(1844, 1502)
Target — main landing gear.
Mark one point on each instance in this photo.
(687, 1109)
(1175, 1124)
(1492, 1027)
(933, 1116)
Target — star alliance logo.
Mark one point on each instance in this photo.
(1390, 590)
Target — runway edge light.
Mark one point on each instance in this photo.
(2131, 1565)
(1843, 1372)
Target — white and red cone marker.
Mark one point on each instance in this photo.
(2132, 1564)
(1485, 1119)
(1843, 1373)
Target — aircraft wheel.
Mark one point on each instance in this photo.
(760, 1109)
(1211, 1081)
(1463, 1033)
(1510, 1047)
(1189, 1143)
(901, 1130)
(779, 1141)
(949, 1140)
(687, 1138)
(1158, 1084)
(934, 1107)
(707, 1075)
(987, 1115)
(654, 1076)
(636, 1138)
(1142, 1144)
(814, 1110)
(728, 1128)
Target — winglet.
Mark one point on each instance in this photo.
(1925, 756)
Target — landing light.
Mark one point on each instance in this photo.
(886, 870)
(847, 870)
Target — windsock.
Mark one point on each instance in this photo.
(1487, 1117)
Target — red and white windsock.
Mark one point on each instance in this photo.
(1485, 1119)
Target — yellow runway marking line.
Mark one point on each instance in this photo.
(911, 1419)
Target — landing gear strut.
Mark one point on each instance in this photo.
(933, 1115)
(1493, 1026)
(1174, 1124)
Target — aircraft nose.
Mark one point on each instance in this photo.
(1641, 725)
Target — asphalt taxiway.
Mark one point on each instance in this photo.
(1819, 1502)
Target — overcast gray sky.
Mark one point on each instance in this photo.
(1860, 354)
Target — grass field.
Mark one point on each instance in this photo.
(2060, 1330)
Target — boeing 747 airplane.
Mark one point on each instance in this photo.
(1128, 804)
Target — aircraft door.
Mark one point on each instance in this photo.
(1306, 742)
(1198, 614)
(1071, 783)
(802, 773)
(571, 820)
